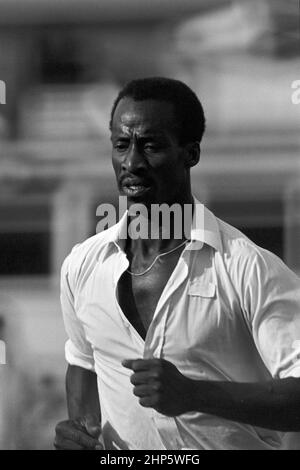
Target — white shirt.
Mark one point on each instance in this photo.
(230, 311)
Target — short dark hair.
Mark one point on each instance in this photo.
(188, 109)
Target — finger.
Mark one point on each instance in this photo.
(99, 446)
(149, 401)
(140, 364)
(77, 435)
(132, 363)
(145, 390)
(66, 444)
(139, 378)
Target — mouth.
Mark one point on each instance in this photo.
(134, 190)
(134, 187)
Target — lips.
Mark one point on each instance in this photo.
(134, 190)
(134, 187)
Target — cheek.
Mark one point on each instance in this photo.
(116, 164)
(173, 174)
(165, 166)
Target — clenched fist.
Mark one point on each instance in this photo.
(160, 385)
(78, 434)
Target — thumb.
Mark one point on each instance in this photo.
(92, 425)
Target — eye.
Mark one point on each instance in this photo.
(121, 146)
(153, 148)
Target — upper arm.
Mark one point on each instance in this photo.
(78, 350)
(271, 301)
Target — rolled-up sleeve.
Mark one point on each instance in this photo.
(78, 350)
(272, 305)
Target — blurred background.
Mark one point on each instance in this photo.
(63, 62)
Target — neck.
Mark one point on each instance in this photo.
(161, 230)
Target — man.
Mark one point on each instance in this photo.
(179, 343)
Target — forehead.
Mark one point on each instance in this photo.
(147, 115)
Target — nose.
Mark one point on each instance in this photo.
(134, 160)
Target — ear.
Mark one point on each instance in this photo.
(192, 154)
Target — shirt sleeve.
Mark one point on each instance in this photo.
(272, 305)
(78, 350)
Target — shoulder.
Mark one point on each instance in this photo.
(243, 256)
(83, 257)
(235, 243)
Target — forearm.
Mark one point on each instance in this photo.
(82, 392)
(274, 404)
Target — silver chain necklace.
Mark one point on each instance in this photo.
(155, 259)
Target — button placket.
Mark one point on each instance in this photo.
(163, 329)
(175, 282)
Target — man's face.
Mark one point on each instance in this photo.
(147, 158)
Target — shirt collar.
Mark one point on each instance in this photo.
(205, 228)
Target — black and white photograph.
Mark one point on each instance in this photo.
(149, 227)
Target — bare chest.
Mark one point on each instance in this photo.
(139, 295)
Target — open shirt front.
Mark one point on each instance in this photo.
(229, 312)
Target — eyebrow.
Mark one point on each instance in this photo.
(144, 135)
